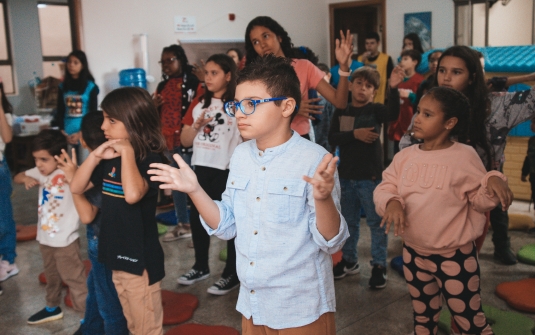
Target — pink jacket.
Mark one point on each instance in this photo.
(444, 194)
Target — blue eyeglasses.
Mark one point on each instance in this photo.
(246, 106)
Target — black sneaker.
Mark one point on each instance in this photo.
(505, 256)
(1, 290)
(378, 278)
(345, 268)
(79, 331)
(193, 276)
(45, 316)
(224, 285)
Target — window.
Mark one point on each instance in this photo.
(56, 38)
(6, 62)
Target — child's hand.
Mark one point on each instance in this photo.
(182, 179)
(201, 121)
(29, 182)
(66, 164)
(121, 146)
(497, 186)
(308, 107)
(404, 93)
(396, 77)
(366, 135)
(157, 100)
(105, 151)
(394, 215)
(198, 71)
(344, 48)
(74, 138)
(323, 179)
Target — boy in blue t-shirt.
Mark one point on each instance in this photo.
(286, 224)
(103, 311)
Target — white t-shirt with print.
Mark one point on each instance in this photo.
(9, 119)
(58, 221)
(214, 143)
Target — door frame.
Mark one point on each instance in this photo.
(381, 4)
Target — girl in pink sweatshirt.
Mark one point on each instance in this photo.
(435, 195)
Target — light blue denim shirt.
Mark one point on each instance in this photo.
(283, 261)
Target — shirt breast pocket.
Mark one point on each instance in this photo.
(284, 200)
(238, 187)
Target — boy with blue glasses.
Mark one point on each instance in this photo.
(286, 223)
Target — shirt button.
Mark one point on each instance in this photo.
(285, 188)
(260, 153)
(253, 292)
(232, 182)
(257, 198)
(255, 232)
(251, 264)
(263, 168)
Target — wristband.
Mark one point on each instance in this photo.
(344, 73)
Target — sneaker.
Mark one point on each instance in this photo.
(45, 315)
(1, 291)
(79, 331)
(224, 285)
(502, 255)
(378, 278)
(7, 270)
(165, 202)
(345, 268)
(179, 232)
(193, 276)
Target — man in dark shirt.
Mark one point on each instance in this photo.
(355, 130)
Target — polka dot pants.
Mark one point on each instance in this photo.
(454, 276)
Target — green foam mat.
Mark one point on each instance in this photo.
(162, 229)
(526, 254)
(502, 322)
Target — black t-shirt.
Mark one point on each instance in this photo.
(359, 160)
(94, 196)
(129, 234)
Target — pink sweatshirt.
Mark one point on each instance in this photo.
(443, 193)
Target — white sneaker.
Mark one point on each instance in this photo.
(7, 270)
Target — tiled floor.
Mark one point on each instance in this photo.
(360, 310)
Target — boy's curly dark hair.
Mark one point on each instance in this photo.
(50, 140)
(277, 74)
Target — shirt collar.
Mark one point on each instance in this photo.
(270, 153)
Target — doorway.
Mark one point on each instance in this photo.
(359, 17)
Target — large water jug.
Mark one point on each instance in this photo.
(133, 77)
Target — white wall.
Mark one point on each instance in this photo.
(442, 21)
(511, 24)
(109, 28)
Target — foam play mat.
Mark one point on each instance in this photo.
(162, 229)
(518, 294)
(178, 307)
(197, 329)
(397, 264)
(501, 322)
(167, 218)
(26, 233)
(223, 255)
(526, 254)
(520, 222)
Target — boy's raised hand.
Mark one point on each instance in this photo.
(396, 77)
(323, 179)
(182, 179)
(66, 164)
(343, 48)
(394, 215)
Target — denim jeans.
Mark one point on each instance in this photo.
(357, 194)
(181, 199)
(8, 233)
(103, 312)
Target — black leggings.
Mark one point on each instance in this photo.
(214, 182)
(455, 276)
